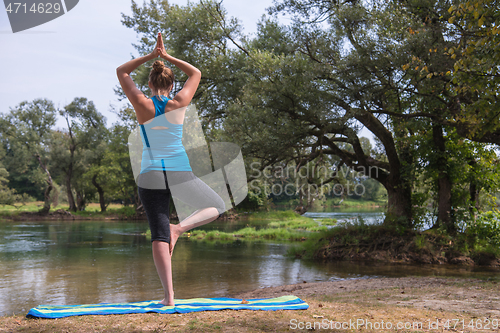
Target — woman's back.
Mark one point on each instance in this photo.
(162, 141)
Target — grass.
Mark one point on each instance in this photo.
(284, 215)
(249, 233)
(91, 210)
(348, 202)
(335, 202)
(328, 221)
(282, 226)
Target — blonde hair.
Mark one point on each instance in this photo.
(161, 76)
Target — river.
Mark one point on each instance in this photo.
(77, 262)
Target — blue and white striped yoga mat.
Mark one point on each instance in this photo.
(181, 306)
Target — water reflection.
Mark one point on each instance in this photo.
(367, 217)
(98, 261)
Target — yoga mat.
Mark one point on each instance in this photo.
(181, 306)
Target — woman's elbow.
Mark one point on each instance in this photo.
(120, 71)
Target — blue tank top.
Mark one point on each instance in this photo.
(162, 148)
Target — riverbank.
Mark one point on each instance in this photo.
(421, 304)
(382, 243)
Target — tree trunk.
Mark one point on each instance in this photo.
(399, 179)
(473, 192)
(474, 199)
(399, 208)
(80, 202)
(47, 199)
(71, 199)
(443, 183)
(139, 208)
(100, 191)
(69, 172)
(308, 197)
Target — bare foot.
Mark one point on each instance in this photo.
(167, 303)
(175, 232)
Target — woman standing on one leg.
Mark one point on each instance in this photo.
(175, 165)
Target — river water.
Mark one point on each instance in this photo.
(77, 262)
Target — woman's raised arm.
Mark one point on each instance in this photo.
(134, 95)
(183, 97)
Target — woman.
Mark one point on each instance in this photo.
(170, 163)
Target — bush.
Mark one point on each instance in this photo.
(486, 228)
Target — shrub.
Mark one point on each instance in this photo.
(486, 228)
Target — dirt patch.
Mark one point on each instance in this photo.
(410, 304)
(477, 297)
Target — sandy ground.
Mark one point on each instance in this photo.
(410, 304)
(477, 297)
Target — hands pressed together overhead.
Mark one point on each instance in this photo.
(159, 50)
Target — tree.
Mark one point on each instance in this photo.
(74, 151)
(419, 96)
(8, 196)
(294, 93)
(116, 166)
(26, 133)
(303, 91)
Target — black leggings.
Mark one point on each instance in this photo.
(156, 202)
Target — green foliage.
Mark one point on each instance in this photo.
(256, 198)
(420, 241)
(328, 221)
(475, 72)
(25, 138)
(486, 229)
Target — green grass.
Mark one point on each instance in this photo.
(282, 226)
(284, 215)
(249, 233)
(28, 207)
(348, 202)
(91, 210)
(328, 221)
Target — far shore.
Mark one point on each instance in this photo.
(30, 211)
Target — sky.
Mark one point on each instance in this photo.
(76, 55)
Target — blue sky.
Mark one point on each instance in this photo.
(76, 54)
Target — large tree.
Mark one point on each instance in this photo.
(298, 92)
(75, 150)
